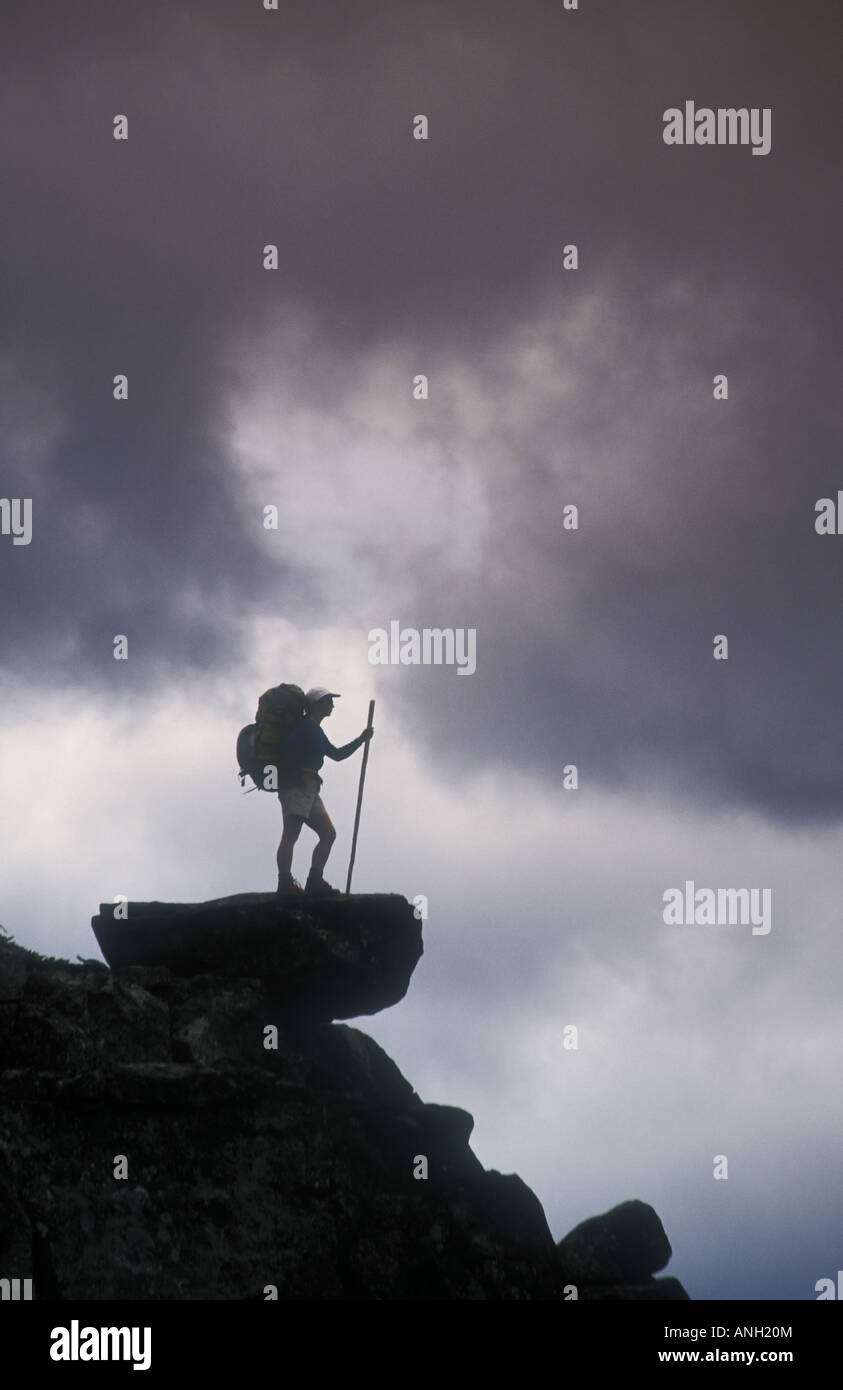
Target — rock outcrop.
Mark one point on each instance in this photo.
(191, 1124)
(327, 958)
(615, 1255)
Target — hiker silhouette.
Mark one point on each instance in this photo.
(305, 749)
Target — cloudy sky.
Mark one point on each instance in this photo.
(547, 387)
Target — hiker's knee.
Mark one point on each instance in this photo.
(292, 828)
(322, 824)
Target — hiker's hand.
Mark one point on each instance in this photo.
(367, 734)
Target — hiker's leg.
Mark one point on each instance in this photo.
(292, 830)
(320, 821)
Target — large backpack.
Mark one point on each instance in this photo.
(259, 745)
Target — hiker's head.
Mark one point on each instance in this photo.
(320, 701)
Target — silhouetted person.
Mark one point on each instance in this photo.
(305, 749)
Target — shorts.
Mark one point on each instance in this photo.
(303, 798)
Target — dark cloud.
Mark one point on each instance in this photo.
(696, 519)
(247, 127)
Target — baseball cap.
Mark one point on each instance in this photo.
(317, 693)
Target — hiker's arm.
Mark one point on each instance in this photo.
(338, 754)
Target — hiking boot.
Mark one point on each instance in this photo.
(318, 887)
(288, 888)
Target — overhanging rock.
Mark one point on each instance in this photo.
(325, 958)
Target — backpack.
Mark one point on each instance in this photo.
(259, 745)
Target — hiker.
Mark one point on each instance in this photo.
(305, 749)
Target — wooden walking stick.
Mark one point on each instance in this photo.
(360, 797)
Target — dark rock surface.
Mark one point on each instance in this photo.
(615, 1255)
(264, 1146)
(328, 957)
(619, 1247)
(648, 1291)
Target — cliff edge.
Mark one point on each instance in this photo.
(189, 1121)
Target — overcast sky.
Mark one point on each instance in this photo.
(594, 387)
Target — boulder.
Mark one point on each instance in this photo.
(326, 958)
(623, 1246)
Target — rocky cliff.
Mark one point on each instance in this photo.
(189, 1121)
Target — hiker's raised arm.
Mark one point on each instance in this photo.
(339, 754)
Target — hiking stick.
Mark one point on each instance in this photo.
(360, 797)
